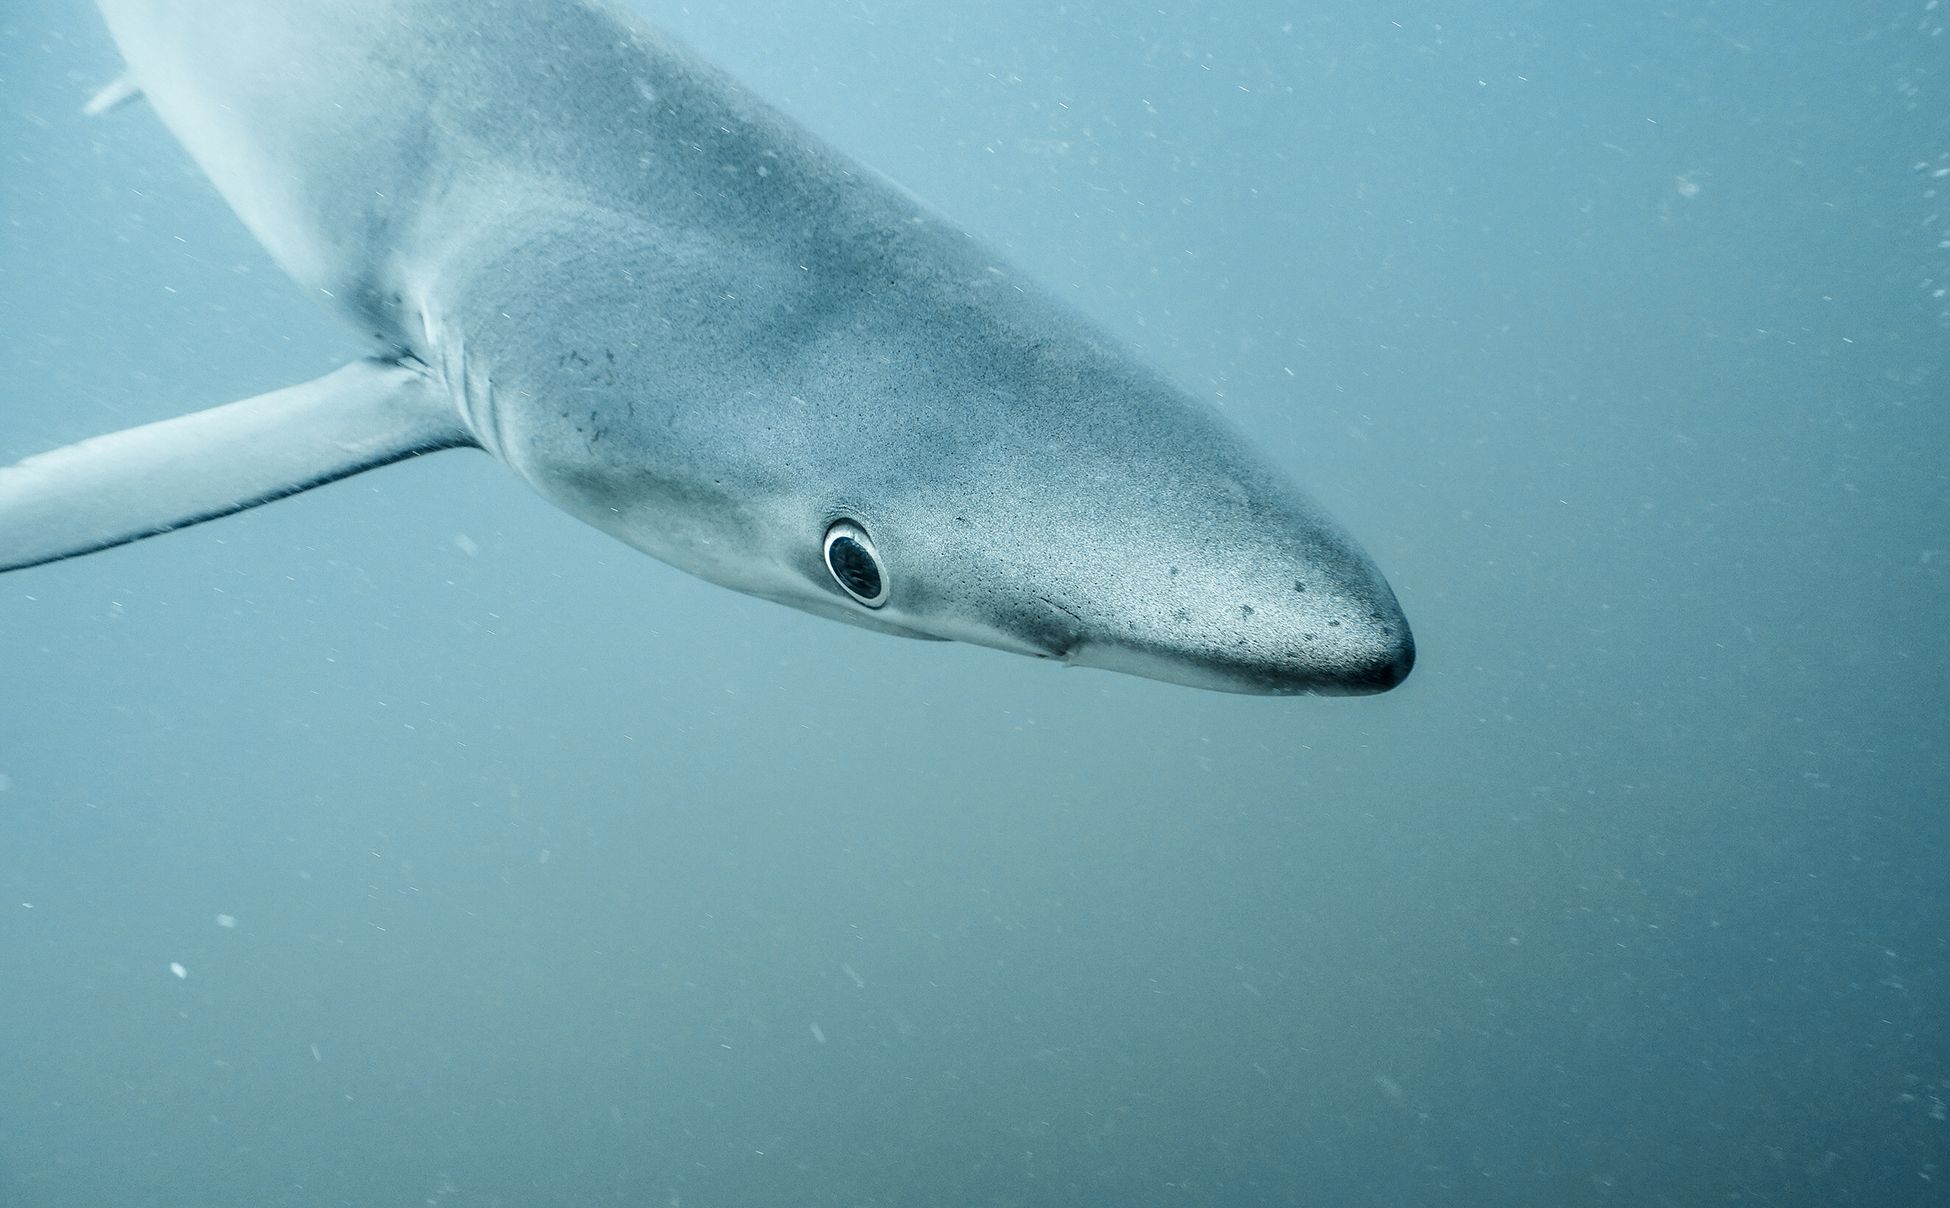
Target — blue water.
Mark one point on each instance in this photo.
(1619, 335)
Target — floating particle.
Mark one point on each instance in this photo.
(226, 920)
(818, 1034)
(177, 968)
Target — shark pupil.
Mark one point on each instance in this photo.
(855, 566)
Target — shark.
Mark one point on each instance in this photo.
(691, 323)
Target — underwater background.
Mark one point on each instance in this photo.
(408, 843)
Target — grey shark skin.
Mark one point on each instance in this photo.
(691, 324)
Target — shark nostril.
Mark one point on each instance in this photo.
(1064, 632)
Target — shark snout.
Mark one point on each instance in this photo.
(1383, 664)
(1360, 666)
(1367, 648)
(1349, 642)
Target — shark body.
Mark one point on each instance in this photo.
(690, 323)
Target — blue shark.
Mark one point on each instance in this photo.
(687, 321)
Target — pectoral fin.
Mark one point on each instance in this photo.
(142, 481)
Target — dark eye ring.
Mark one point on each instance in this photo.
(855, 563)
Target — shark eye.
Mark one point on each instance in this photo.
(855, 563)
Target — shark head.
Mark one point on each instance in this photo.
(1241, 593)
(977, 464)
(890, 429)
(1102, 519)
